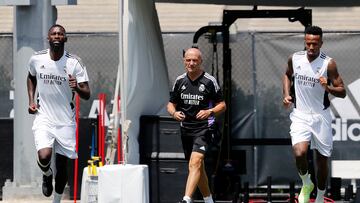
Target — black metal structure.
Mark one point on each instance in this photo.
(304, 16)
(296, 3)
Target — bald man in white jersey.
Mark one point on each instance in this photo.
(313, 75)
(57, 76)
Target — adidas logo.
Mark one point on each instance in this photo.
(345, 115)
(202, 148)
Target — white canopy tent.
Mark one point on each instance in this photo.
(142, 70)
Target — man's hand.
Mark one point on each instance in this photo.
(179, 115)
(287, 101)
(72, 82)
(323, 82)
(203, 114)
(32, 108)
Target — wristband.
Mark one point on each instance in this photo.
(211, 112)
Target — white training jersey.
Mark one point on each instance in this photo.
(310, 96)
(54, 93)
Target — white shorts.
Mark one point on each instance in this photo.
(314, 128)
(61, 138)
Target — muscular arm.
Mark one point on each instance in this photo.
(287, 99)
(83, 90)
(337, 89)
(31, 87)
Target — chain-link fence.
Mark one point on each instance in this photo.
(99, 53)
(258, 64)
(6, 76)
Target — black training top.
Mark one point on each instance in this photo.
(192, 96)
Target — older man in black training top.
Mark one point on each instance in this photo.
(195, 100)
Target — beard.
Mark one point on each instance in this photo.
(57, 46)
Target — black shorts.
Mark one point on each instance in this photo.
(197, 140)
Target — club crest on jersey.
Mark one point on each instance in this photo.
(183, 87)
(202, 88)
(42, 67)
(298, 67)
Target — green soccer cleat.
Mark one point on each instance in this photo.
(304, 196)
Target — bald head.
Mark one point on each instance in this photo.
(193, 51)
(192, 61)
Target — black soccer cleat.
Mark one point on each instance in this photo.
(47, 187)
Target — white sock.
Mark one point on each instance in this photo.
(208, 199)
(320, 196)
(305, 178)
(57, 197)
(187, 199)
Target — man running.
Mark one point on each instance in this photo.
(57, 75)
(314, 75)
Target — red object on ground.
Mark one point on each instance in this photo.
(119, 145)
(77, 114)
(101, 127)
(256, 200)
(326, 200)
